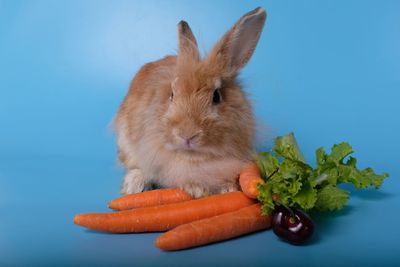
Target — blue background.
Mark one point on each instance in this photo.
(326, 70)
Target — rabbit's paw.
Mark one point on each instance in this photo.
(195, 190)
(229, 187)
(134, 182)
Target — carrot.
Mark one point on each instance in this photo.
(149, 198)
(214, 229)
(163, 217)
(249, 178)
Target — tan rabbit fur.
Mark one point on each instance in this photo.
(185, 122)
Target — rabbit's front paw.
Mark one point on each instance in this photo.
(134, 182)
(229, 187)
(195, 190)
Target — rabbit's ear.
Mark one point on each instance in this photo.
(236, 47)
(187, 42)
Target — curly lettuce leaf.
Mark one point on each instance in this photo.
(265, 197)
(286, 146)
(306, 197)
(291, 182)
(267, 163)
(340, 151)
(331, 198)
(341, 171)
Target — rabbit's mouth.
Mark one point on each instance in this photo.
(193, 150)
(186, 146)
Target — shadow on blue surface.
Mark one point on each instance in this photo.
(94, 232)
(372, 194)
(326, 224)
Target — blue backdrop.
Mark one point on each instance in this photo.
(326, 70)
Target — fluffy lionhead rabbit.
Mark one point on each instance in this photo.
(185, 122)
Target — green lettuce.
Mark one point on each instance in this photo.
(292, 182)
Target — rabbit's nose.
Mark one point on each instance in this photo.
(189, 139)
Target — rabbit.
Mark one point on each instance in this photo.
(185, 121)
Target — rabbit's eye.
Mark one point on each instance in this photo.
(171, 96)
(216, 96)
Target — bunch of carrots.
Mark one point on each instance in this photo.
(188, 222)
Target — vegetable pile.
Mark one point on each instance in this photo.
(278, 189)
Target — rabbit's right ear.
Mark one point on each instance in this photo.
(188, 49)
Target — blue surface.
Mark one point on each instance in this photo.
(326, 70)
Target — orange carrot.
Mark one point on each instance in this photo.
(214, 229)
(149, 198)
(163, 217)
(249, 178)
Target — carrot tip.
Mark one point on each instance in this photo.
(157, 242)
(112, 205)
(77, 219)
(160, 243)
(82, 219)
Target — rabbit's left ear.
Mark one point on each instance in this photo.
(236, 47)
(187, 43)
